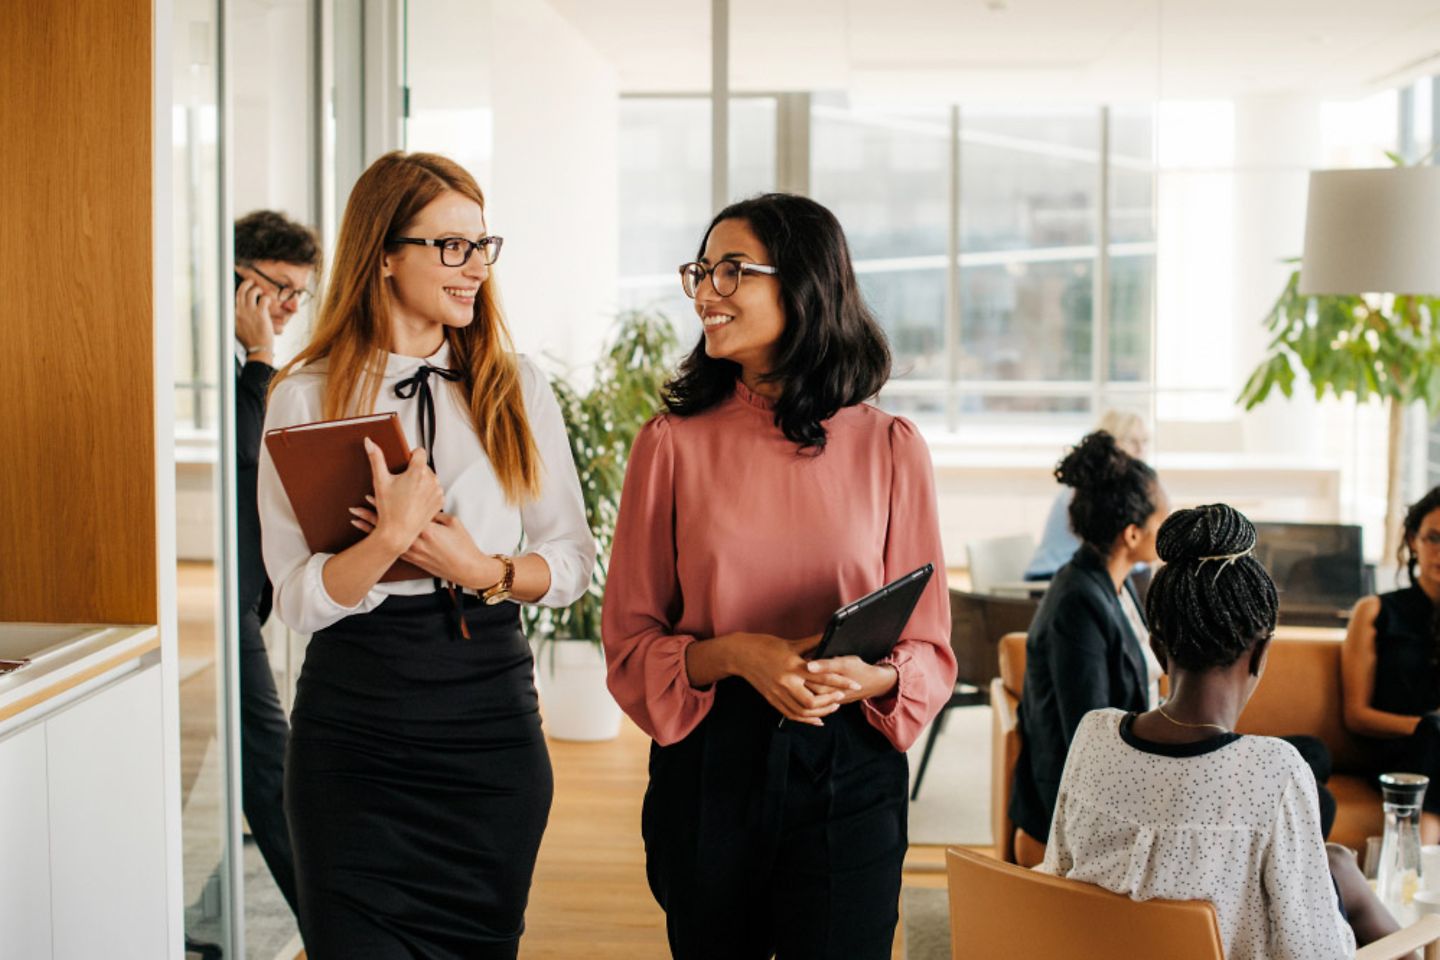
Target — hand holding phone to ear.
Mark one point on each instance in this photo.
(253, 326)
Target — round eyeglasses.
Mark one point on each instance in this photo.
(456, 251)
(724, 276)
(284, 293)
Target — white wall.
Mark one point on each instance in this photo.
(556, 182)
(1231, 207)
(517, 95)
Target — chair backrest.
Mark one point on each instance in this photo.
(998, 560)
(1001, 910)
(1012, 662)
(977, 622)
(1300, 693)
(1005, 741)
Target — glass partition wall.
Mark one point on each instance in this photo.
(247, 135)
(201, 254)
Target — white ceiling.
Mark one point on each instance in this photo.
(1002, 49)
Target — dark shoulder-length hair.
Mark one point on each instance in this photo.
(832, 352)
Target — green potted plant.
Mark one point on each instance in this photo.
(601, 422)
(1385, 348)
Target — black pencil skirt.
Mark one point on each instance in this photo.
(417, 784)
(765, 839)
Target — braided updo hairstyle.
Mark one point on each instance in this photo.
(1207, 606)
(1415, 516)
(1112, 490)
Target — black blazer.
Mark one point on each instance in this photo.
(1080, 655)
(252, 381)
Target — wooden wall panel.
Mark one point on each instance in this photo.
(77, 480)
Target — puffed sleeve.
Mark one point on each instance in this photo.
(301, 601)
(923, 658)
(1296, 873)
(645, 657)
(555, 525)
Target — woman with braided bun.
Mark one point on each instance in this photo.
(1086, 645)
(1390, 669)
(1171, 803)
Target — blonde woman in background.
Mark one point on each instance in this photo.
(1058, 542)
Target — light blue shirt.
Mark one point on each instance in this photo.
(1057, 543)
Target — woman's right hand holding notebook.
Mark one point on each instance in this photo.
(405, 503)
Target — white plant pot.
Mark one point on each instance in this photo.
(570, 675)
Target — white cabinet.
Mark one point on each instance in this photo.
(107, 823)
(82, 812)
(24, 846)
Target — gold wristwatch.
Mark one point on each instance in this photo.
(501, 590)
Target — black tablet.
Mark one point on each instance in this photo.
(870, 627)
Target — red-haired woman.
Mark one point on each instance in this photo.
(417, 780)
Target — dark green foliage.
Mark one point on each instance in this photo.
(602, 424)
(1348, 346)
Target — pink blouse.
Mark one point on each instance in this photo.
(724, 526)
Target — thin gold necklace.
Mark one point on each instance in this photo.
(1182, 723)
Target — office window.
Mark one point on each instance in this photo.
(665, 189)
(1023, 334)
(884, 173)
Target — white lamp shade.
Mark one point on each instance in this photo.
(1372, 231)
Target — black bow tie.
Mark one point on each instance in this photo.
(420, 383)
(405, 389)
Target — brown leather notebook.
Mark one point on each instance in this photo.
(325, 472)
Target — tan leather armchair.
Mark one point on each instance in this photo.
(999, 910)
(1298, 694)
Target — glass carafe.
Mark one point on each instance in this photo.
(1398, 876)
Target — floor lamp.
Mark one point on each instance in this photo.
(1375, 232)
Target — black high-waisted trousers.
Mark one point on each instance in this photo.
(776, 839)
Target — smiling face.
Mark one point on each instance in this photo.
(745, 326)
(426, 295)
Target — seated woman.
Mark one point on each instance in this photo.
(1172, 804)
(1390, 668)
(1086, 645)
(1057, 541)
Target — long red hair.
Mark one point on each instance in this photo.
(352, 329)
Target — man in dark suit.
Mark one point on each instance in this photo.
(276, 261)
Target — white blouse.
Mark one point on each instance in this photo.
(552, 526)
(1238, 825)
(1153, 672)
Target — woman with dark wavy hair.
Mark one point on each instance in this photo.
(1390, 667)
(768, 495)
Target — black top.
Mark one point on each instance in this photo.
(1081, 655)
(1407, 677)
(252, 383)
(1195, 749)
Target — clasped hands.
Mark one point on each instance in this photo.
(801, 690)
(405, 514)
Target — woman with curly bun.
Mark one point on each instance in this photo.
(1390, 668)
(1170, 803)
(1087, 644)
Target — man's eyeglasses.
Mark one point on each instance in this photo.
(283, 291)
(724, 276)
(456, 251)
